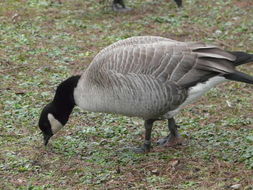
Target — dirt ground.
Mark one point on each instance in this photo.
(43, 42)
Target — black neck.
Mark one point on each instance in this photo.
(64, 101)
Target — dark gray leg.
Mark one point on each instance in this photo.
(148, 124)
(173, 138)
(119, 2)
(179, 3)
(119, 5)
(173, 127)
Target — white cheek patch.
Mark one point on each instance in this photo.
(55, 124)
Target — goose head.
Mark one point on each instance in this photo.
(49, 124)
(56, 114)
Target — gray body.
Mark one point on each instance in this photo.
(150, 77)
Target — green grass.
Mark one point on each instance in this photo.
(44, 42)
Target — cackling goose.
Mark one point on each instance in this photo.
(148, 77)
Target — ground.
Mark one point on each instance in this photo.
(43, 42)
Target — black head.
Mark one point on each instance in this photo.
(56, 114)
(44, 123)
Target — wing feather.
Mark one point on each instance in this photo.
(165, 60)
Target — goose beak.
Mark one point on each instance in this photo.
(46, 138)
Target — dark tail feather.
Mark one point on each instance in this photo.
(242, 57)
(239, 76)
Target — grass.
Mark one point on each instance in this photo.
(44, 42)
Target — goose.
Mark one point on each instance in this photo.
(119, 5)
(149, 77)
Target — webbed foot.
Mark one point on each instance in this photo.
(145, 148)
(119, 8)
(170, 141)
(141, 150)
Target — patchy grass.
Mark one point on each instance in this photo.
(43, 42)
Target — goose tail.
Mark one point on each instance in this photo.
(240, 77)
(242, 57)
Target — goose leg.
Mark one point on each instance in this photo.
(119, 6)
(173, 138)
(179, 3)
(148, 124)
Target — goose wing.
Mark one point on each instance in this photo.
(183, 63)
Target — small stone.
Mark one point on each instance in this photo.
(174, 163)
(20, 181)
(236, 186)
(218, 32)
(155, 171)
